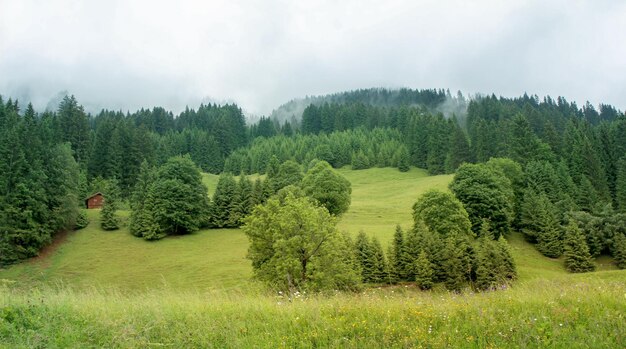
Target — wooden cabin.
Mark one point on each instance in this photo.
(94, 201)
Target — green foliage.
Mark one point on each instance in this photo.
(577, 257)
(424, 274)
(38, 184)
(377, 147)
(108, 220)
(459, 149)
(289, 173)
(619, 250)
(453, 265)
(494, 264)
(364, 257)
(223, 201)
(82, 221)
(620, 189)
(540, 223)
(360, 161)
(295, 246)
(442, 213)
(486, 194)
(397, 265)
(381, 269)
(328, 187)
(403, 160)
(175, 203)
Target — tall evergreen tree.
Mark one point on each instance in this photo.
(459, 150)
(364, 256)
(224, 201)
(620, 186)
(381, 270)
(424, 274)
(108, 220)
(577, 257)
(619, 250)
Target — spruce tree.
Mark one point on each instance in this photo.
(506, 256)
(140, 217)
(396, 253)
(487, 265)
(380, 270)
(222, 202)
(620, 186)
(257, 196)
(108, 220)
(391, 266)
(364, 257)
(619, 250)
(272, 167)
(577, 256)
(453, 265)
(424, 273)
(403, 160)
(459, 150)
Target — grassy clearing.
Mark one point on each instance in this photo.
(384, 197)
(211, 259)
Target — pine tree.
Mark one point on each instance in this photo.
(453, 265)
(364, 257)
(140, 217)
(487, 265)
(424, 274)
(360, 161)
(459, 150)
(396, 251)
(403, 160)
(577, 256)
(272, 167)
(391, 266)
(587, 197)
(380, 270)
(619, 250)
(223, 201)
(108, 220)
(257, 196)
(504, 250)
(620, 186)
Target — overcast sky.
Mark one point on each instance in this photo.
(260, 54)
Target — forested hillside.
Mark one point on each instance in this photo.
(567, 163)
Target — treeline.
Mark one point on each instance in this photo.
(122, 142)
(359, 148)
(434, 100)
(39, 180)
(112, 145)
(366, 136)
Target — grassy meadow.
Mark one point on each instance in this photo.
(110, 289)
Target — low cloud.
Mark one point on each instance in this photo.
(131, 54)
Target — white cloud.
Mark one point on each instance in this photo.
(129, 54)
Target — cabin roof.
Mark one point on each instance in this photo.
(93, 195)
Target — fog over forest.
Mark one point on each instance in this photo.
(124, 55)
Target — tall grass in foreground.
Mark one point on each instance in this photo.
(573, 314)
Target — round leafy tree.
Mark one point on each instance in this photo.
(442, 213)
(294, 245)
(327, 187)
(487, 195)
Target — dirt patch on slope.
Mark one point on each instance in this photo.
(44, 255)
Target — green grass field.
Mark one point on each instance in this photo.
(110, 289)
